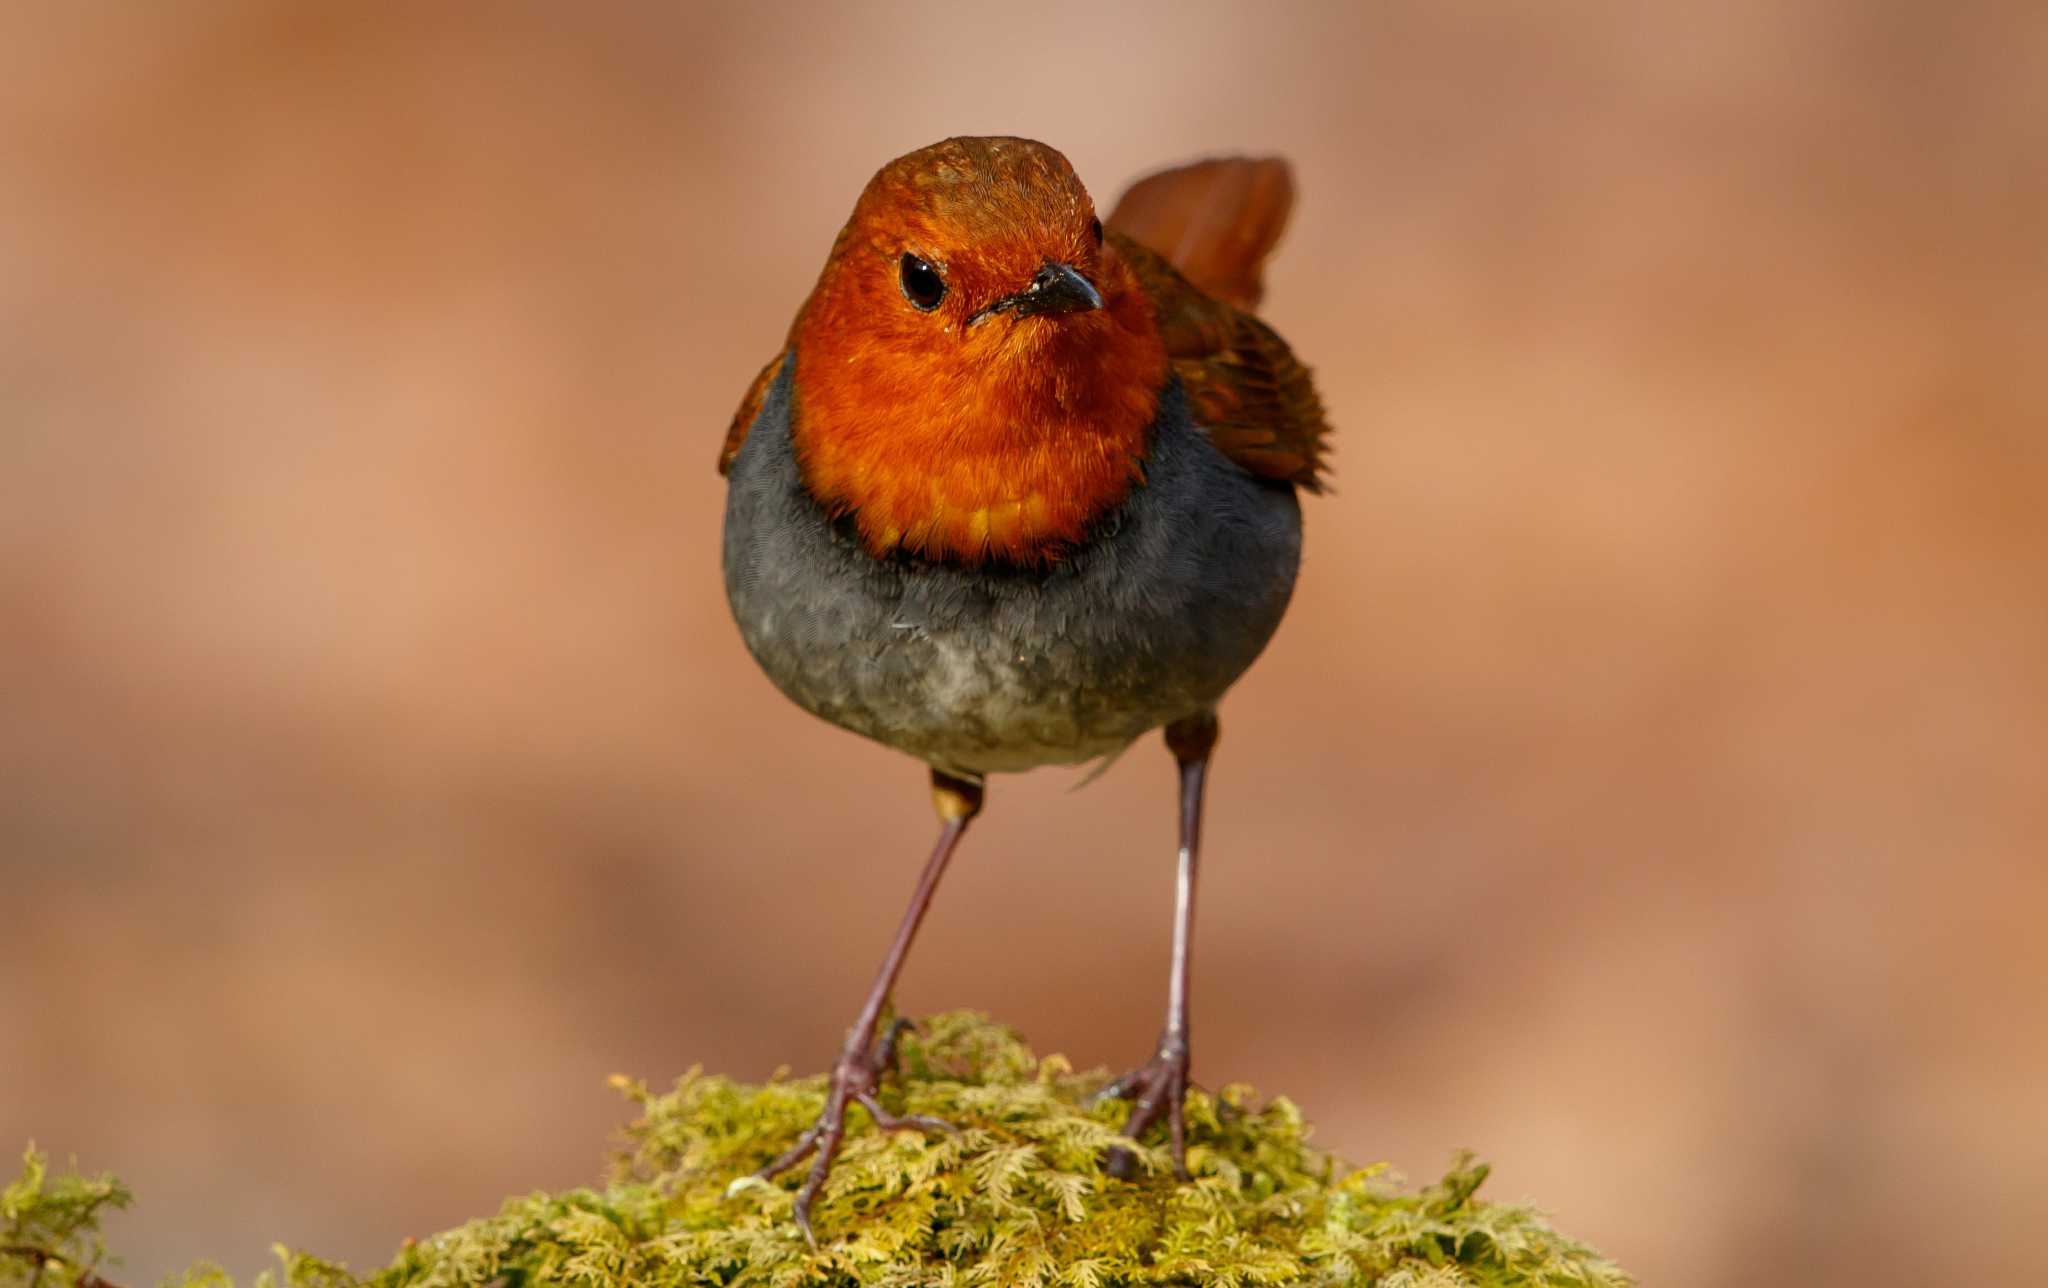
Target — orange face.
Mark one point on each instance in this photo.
(976, 370)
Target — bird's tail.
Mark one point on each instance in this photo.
(1215, 221)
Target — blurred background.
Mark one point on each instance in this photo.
(1647, 790)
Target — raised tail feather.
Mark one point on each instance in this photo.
(1216, 221)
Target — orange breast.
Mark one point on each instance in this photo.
(1006, 449)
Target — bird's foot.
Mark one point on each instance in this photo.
(855, 1079)
(1155, 1088)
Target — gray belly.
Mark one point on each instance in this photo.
(989, 670)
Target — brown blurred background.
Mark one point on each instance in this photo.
(1647, 789)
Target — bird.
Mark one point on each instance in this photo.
(1021, 487)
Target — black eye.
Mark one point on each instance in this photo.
(922, 285)
(1096, 228)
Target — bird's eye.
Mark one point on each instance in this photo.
(1096, 228)
(922, 285)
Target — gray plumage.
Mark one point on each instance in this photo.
(996, 668)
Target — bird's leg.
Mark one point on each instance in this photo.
(1160, 1085)
(861, 1061)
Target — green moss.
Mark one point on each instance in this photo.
(50, 1226)
(1016, 1196)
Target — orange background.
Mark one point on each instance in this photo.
(1647, 788)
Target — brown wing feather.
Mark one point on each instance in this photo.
(1247, 389)
(743, 419)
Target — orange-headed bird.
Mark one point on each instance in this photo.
(1019, 488)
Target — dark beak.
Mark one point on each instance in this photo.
(1056, 289)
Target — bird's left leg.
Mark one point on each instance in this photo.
(1160, 1085)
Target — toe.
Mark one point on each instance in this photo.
(1121, 1163)
(901, 1122)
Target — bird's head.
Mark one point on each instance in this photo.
(977, 370)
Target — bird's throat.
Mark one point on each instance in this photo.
(984, 465)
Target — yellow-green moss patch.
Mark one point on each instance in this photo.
(1015, 1197)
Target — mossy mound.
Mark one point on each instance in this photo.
(1015, 1197)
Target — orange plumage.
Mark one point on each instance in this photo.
(957, 440)
(968, 442)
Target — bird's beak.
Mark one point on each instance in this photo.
(1056, 289)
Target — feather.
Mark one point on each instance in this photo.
(1247, 388)
(1216, 221)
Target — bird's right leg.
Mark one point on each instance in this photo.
(858, 1070)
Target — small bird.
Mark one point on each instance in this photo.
(1019, 489)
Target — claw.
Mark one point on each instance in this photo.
(1157, 1087)
(885, 1054)
(854, 1080)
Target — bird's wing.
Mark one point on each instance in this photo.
(1197, 238)
(743, 419)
